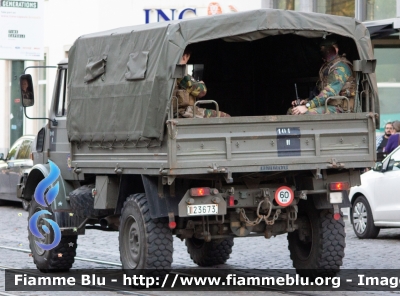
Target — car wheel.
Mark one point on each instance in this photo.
(363, 222)
(25, 205)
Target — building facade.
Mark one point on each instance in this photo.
(66, 20)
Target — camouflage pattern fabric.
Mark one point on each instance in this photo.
(322, 110)
(195, 90)
(202, 113)
(213, 113)
(334, 75)
(319, 110)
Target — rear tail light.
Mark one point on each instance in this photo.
(231, 201)
(201, 191)
(339, 186)
(31, 156)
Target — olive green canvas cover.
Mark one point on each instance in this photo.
(120, 81)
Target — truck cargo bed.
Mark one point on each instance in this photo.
(244, 144)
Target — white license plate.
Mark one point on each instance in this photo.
(199, 210)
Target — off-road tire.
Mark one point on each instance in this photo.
(82, 203)
(209, 253)
(145, 244)
(362, 220)
(59, 259)
(322, 251)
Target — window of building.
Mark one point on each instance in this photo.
(380, 9)
(388, 77)
(285, 4)
(387, 68)
(336, 7)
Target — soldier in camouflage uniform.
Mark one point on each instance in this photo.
(336, 79)
(187, 91)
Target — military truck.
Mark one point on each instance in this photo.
(128, 164)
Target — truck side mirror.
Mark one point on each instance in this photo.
(26, 85)
(378, 167)
(1, 156)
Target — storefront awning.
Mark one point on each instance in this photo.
(382, 28)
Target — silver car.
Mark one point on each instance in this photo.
(14, 168)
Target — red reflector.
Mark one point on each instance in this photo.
(231, 201)
(336, 216)
(339, 186)
(172, 224)
(202, 191)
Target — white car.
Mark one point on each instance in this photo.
(376, 202)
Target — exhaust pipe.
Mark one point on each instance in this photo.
(110, 222)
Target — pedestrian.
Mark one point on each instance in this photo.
(381, 141)
(336, 79)
(394, 139)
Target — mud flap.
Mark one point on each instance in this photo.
(160, 206)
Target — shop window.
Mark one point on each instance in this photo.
(380, 9)
(388, 77)
(285, 4)
(336, 7)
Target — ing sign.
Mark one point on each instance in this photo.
(165, 15)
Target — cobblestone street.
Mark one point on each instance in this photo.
(248, 253)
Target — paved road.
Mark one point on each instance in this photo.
(256, 252)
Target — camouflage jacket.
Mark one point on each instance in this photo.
(195, 88)
(336, 79)
(186, 91)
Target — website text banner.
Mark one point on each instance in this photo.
(21, 30)
(202, 280)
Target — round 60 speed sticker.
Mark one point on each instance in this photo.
(284, 196)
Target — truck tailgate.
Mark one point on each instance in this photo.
(271, 143)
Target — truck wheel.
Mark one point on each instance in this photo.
(82, 203)
(317, 249)
(362, 220)
(61, 258)
(209, 253)
(144, 243)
